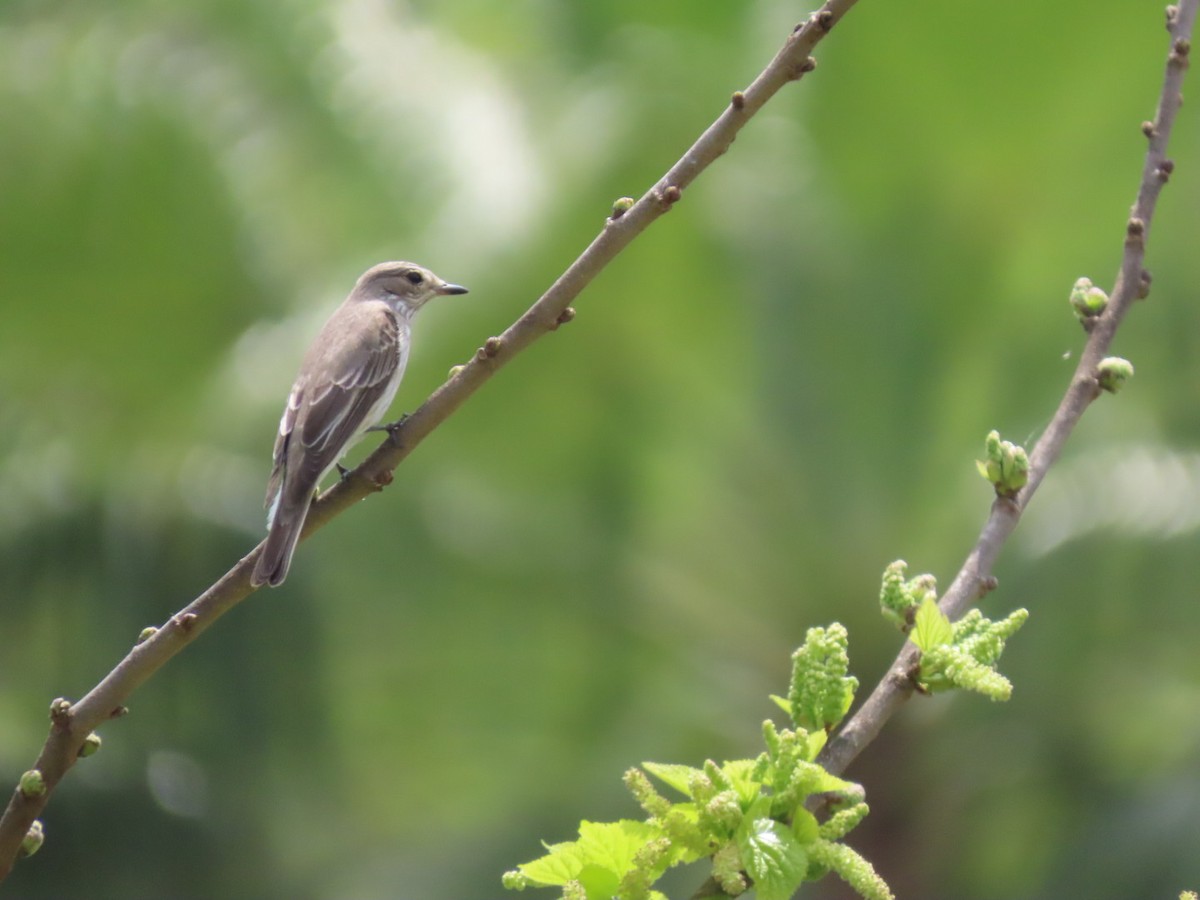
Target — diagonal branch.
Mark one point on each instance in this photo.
(72, 723)
(975, 579)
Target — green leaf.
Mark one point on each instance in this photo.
(816, 741)
(931, 627)
(805, 826)
(603, 854)
(613, 845)
(826, 783)
(673, 775)
(773, 858)
(740, 774)
(560, 865)
(783, 703)
(600, 883)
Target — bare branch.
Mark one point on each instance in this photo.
(73, 722)
(975, 577)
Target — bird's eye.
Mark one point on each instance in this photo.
(414, 277)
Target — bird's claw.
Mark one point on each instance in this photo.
(390, 427)
(343, 472)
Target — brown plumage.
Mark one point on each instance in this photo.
(346, 383)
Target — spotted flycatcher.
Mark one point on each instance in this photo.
(346, 383)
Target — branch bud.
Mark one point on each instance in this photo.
(1006, 465)
(1144, 282)
(60, 711)
(32, 784)
(33, 840)
(1113, 372)
(1087, 300)
(620, 207)
(91, 744)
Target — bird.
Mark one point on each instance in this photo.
(346, 383)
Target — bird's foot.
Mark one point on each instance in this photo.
(343, 472)
(391, 427)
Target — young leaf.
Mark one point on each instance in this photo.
(773, 858)
(931, 628)
(598, 881)
(673, 775)
(740, 773)
(603, 854)
(805, 826)
(561, 864)
(613, 845)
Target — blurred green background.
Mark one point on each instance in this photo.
(609, 553)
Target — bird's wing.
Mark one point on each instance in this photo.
(353, 360)
(283, 438)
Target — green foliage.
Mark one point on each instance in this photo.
(852, 868)
(899, 599)
(820, 692)
(963, 654)
(609, 859)
(932, 627)
(747, 816)
(1006, 465)
(773, 858)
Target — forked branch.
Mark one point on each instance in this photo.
(1132, 282)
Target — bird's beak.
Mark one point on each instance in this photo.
(452, 289)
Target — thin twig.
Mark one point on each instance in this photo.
(975, 577)
(72, 723)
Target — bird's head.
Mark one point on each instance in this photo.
(403, 283)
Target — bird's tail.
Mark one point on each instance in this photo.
(276, 557)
